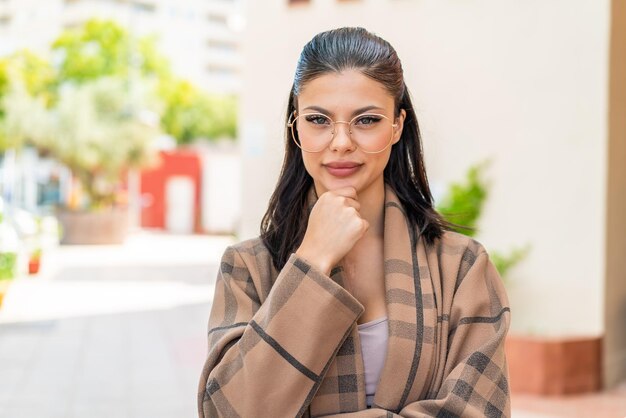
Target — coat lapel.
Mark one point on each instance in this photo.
(410, 310)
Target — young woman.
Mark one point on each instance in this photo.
(356, 300)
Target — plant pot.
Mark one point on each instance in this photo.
(554, 366)
(4, 287)
(106, 226)
(33, 266)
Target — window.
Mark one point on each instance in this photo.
(220, 20)
(5, 20)
(72, 25)
(142, 6)
(222, 46)
(221, 71)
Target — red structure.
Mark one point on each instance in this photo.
(185, 163)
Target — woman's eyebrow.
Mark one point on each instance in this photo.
(356, 112)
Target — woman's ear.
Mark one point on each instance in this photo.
(397, 132)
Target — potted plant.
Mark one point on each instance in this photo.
(100, 136)
(34, 261)
(99, 130)
(540, 365)
(9, 248)
(7, 272)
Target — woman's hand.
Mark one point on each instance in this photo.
(335, 225)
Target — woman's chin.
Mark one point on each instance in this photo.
(335, 184)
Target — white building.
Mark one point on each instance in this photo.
(201, 38)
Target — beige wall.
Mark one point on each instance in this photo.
(615, 293)
(524, 83)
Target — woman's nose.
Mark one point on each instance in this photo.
(341, 137)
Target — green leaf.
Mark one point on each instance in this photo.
(464, 201)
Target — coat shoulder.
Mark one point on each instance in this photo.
(455, 254)
(257, 261)
(250, 246)
(453, 243)
(252, 251)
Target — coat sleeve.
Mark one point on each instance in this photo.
(475, 381)
(268, 360)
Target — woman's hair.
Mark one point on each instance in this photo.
(285, 222)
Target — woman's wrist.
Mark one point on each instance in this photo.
(315, 260)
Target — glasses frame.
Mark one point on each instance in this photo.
(291, 125)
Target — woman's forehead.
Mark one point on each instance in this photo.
(347, 91)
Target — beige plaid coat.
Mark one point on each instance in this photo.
(286, 344)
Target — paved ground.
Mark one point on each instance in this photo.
(120, 331)
(109, 331)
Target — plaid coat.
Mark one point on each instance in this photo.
(286, 344)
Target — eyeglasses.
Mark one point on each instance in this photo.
(313, 132)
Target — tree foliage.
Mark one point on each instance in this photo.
(27, 73)
(92, 129)
(464, 201)
(105, 49)
(190, 114)
(86, 104)
(29, 69)
(102, 48)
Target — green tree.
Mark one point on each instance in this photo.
(93, 129)
(29, 69)
(24, 118)
(190, 114)
(4, 80)
(103, 48)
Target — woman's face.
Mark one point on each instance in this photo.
(342, 96)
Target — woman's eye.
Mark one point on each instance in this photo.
(367, 120)
(317, 120)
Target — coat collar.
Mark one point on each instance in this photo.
(410, 309)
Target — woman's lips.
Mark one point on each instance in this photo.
(342, 169)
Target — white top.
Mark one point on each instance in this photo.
(374, 336)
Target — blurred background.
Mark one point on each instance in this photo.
(139, 138)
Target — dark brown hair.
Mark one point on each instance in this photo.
(285, 222)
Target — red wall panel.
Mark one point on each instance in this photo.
(153, 181)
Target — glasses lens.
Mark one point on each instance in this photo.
(371, 132)
(314, 131)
